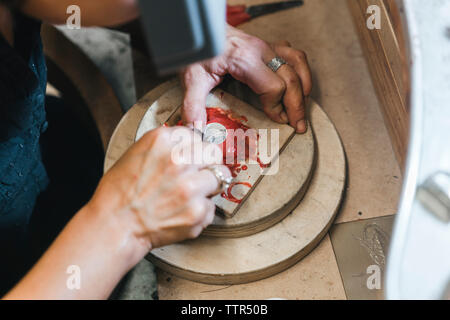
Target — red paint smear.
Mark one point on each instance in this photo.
(234, 122)
(231, 121)
(262, 165)
(229, 196)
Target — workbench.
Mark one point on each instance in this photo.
(343, 88)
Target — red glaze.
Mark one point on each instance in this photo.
(229, 196)
(232, 121)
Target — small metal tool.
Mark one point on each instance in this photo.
(239, 14)
(215, 133)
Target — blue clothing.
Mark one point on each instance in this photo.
(23, 79)
(38, 193)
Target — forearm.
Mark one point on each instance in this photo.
(102, 245)
(93, 12)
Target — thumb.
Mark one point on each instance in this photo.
(197, 84)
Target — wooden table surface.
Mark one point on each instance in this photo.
(342, 86)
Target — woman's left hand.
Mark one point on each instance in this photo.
(282, 93)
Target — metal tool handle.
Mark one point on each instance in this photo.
(181, 32)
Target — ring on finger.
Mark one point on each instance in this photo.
(276, 63)
(224, 182)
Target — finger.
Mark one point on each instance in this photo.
(190, 149)
(270, 88)
(197, 87)
(195, 232)
(212, 154)
(185, 146)
(210, 207)
(208, 218)
(204, 182)
(198, 213)
(283, 43)
(147, 141)
(299, 62)
(293, 98)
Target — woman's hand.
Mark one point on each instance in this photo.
(167, 201)
(282, 93)
(145, 201)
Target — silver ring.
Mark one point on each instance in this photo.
(224, 182)
(276, 63)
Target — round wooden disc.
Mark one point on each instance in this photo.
(240, 260)
(259, 211)
(246, 259)
(126, 131)
(276, 195)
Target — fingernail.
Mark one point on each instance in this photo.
(301, 126)
(284, 117)
(199, 125)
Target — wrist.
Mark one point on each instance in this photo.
(121, 233)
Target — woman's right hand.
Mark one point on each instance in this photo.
(167, 201)
(146, 200)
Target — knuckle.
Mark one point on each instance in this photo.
(258, 42)
(161, 135)
(152, 134)
(300, 55)
(147, 139)
(210, 211)
(161, 131)
(238, 47)
(279, 87)
(185, 191)
(194, 232)
(195, 213)
(291, 79)
(244, 56)
(190, 217)
(154, 138)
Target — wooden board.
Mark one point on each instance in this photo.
(166, 109)
(385, 53)
(246, 259)
(276, 195)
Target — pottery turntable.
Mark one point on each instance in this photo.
(267, 222)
